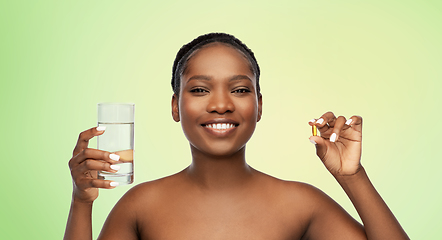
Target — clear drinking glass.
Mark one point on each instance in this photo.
(118, 138)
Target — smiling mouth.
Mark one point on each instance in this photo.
(220, 126)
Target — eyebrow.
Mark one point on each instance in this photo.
(199, 77)
(240, 77)
(208, 78)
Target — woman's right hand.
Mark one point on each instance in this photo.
(85, 164)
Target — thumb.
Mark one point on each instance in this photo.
(321, 146)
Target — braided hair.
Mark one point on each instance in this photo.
(186, 51)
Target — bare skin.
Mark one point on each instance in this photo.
(219, 196)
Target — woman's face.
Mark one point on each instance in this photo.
(218, 104)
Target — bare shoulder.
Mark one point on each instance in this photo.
(143, 198)
(130, 212)
(295, 201)
(291, 190)
(311, 208)
(151, 191)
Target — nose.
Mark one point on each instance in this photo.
(221, 103)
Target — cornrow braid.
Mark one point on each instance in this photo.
(186, 51)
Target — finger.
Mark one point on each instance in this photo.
(96, 183)
(85, 136)
(321, 145)
(325, 122)
(329, 119)
(90, 153)
(319, 122)
(355, 122)
(338, 124)
(96, 165)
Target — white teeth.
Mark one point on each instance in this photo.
(221, 126)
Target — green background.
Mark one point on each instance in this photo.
(377, 59)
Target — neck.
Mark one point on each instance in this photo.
(219, 172)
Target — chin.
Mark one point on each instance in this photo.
(219, 151)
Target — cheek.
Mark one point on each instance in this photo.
(189, 111)
(249, 109)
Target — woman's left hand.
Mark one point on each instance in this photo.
(340, 144)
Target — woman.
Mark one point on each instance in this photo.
(217, 99)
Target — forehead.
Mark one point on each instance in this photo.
(218, 58)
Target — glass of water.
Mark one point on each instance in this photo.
(118, 118)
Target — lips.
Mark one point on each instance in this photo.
(220, 126)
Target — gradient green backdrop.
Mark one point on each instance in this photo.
(377, 59)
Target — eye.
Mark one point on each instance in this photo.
(241, 90)
(199, 90)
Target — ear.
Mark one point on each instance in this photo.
(259, 107)
(175, 109)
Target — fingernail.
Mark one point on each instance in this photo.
(115, 167)
(333, 137)
(312, 121)
(114, 184)
(348, 121)
(312, 141)
(114, 157)
(101, 128)
(320, 121)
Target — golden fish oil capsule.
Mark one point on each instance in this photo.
(314, 130)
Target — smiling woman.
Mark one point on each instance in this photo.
(217, 87)
(219, 196)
